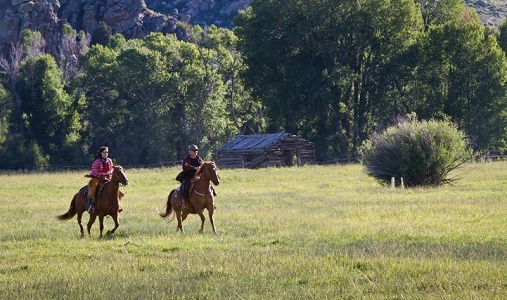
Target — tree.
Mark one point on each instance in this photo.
(158, 91)
(462, 74)
(72, 45)
(11, 66)
(439, 12)
(143, 86)
(5, 113)
(502, 36)
(319, 65)
(50, 118)
(102, 34)
(245, 113)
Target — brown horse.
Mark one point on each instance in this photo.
(108, 203)
(201, 197)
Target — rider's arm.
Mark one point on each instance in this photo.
(96, 168)
(187, 166)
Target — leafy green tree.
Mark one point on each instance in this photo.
(244, 111)
(143, 86)
(102, 34)
(462, 74)
(12, 109)
(319, 66)
(50, 118)
(439, 12)
(71, 46)
(5, 113)
(103, 108)
(502, 36)
(200, 109)
(159, 91)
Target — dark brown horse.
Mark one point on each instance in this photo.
(108, 203)
(201, 197)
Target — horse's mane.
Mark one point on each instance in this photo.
(206, 162)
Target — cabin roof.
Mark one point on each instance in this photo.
(253, 142)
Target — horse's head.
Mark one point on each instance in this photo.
(210, 172)
(119, 175)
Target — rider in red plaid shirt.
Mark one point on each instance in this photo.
(102, 168)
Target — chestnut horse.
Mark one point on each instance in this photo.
(201, 197)
(108, 203)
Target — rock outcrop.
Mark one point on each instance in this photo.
(202, 12)
(137, 18)
(130, 18)
(18, 15)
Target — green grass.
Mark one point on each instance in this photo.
(316, 232)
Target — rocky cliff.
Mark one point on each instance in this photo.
(222, 12)
(131, 18)
(491, 12)
(137, 18)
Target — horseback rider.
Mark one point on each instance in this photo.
(190, 165)
(102, 169)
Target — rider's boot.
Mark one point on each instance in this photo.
(90, 205)
(183, 195)
(92, 194)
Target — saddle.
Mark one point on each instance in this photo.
(179, 192)
(84, 189)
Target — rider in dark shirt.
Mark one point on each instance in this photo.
(190, 165)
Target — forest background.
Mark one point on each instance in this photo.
(332, 72)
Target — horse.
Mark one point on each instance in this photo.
(201, 196)
(107, 204)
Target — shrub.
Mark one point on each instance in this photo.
(19, 154)
(418, 153)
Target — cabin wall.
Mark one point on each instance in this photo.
(283, 154)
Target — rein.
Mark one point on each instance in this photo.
(200, 194)
(206, 177)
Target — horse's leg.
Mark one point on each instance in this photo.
(211, 209)
(90, 222)
(79, 222)
(116, 224)
(180, 220)
(203, 219)
(101, 222)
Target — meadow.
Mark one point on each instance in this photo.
(314, 232)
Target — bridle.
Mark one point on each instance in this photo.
(207, 177)
(120, 169)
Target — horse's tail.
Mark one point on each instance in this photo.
(168, 208)
(71, 212)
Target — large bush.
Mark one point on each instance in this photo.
(416, 153)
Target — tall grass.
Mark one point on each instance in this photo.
(326, 232)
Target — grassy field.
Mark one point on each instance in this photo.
(316, 232)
